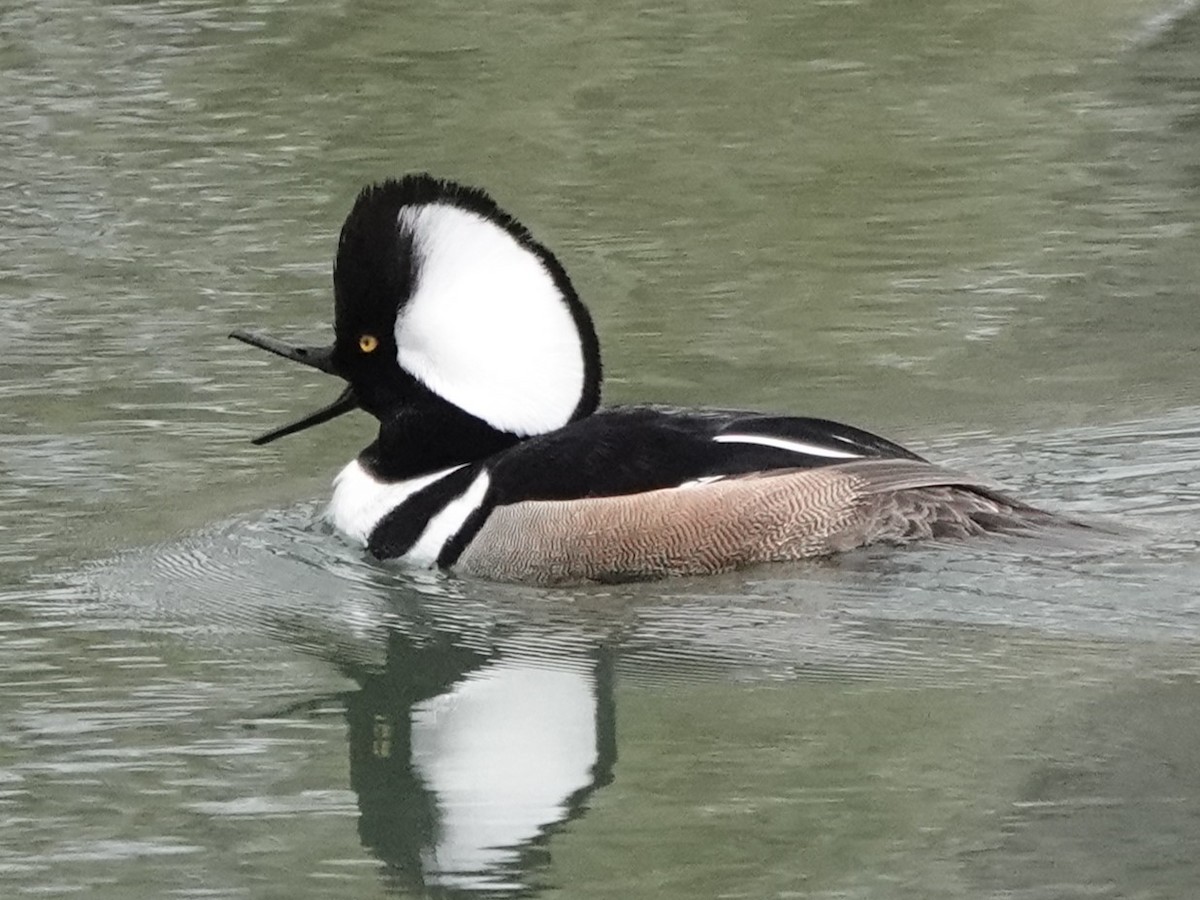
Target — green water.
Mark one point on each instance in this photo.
(969, 226)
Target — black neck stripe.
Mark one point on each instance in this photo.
(398, 531)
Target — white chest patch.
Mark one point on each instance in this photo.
(360, 500)
(487, 327)
(786, 444)
(446, 523)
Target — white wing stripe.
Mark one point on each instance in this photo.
(702, 480)
(785, 444)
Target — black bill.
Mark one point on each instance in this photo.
(318, 358)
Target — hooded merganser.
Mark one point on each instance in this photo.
(464, 337)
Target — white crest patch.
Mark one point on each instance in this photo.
(360, 500)
(487, 327)
(446, 523)
(786, 444)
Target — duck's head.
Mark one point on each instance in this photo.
(445, 306)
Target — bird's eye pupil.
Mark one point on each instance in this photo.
(367, 343)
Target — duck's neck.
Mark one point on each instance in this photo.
(415, 442)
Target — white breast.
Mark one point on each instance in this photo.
(443, 526)
(360, 500)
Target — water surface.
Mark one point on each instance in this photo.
(969, 226)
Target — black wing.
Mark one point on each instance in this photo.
(626, 450)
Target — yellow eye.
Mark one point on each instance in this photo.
(367, 343)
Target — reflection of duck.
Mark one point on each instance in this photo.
(463, 762)
(465, 338)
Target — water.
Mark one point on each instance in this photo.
(968, 226)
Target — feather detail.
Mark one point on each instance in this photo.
(734, 522)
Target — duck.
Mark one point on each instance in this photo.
(464, 337)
